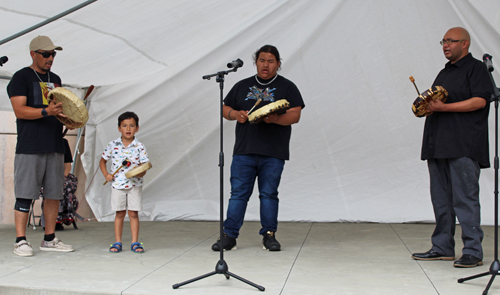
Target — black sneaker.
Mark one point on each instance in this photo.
(270, 243)
(228, 243)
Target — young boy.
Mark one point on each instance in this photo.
(126, 194)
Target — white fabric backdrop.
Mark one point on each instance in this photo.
(355, 154)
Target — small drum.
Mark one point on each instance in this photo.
(139, 169)
(279, 107)
(73, 107)
(419, 106)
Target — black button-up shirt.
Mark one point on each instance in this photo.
(455, 135)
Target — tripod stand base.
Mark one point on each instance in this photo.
(220, 268)
(494, 271)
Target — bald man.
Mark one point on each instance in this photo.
(455, 145)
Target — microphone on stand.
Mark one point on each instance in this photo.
(3, 60)
(235, 64)
(487, 61)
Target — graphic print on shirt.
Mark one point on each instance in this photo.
(41, 97)
(135, 152)
(120, 155)
(264, 94)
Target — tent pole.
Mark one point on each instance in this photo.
(76, 150)
(47, 21)
(88, 90)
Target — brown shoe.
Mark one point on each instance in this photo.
(431, 255)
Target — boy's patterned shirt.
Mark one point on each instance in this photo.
(135, 152)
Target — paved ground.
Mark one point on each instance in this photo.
(317, 258)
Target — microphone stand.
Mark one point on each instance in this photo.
(221, 267)
(495, 265)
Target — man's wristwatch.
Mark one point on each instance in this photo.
(44, 113)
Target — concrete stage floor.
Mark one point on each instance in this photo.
(316, 258)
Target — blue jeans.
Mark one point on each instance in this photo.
(244, 170)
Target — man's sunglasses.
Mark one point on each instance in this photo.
(47, 54)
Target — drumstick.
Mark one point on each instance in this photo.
(124, 163)
(89, 90)
(256, 103)
(413, 81)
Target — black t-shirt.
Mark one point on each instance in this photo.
(261, 138)
(41, 135)
(455, 135)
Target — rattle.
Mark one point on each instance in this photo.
(125, 163)
(419, 106)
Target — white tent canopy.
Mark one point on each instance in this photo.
(355, 154)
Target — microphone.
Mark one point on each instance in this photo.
(235, 63)
(487, 61)
(3, 60)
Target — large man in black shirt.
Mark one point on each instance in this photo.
(455, 145)
(261, 149)
(39, 159)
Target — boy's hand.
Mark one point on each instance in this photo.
(109, 177)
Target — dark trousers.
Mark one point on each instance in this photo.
(455, 194)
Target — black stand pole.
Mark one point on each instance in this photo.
(495, 265)
(221, 266)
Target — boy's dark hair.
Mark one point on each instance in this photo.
(267, 49)
(128, 115)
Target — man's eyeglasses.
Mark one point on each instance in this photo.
(449, 41)
(47, 54)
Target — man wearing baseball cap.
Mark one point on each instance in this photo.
(39, 160)
(43, 43)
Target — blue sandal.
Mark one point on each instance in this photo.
(137, 246)
(117, 246)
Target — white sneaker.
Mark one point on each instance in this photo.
(55, 245)
(23, 248)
